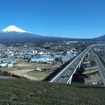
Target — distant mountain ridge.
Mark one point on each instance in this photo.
(17, 37)
(101, 38)
(13, 34)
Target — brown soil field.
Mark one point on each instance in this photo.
(27, 70)
(93, 76)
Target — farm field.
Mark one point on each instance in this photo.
(27, 70)
(24, 92)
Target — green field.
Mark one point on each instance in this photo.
(23, 92)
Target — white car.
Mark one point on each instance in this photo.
(38, 69)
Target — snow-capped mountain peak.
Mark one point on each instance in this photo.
(13, 28)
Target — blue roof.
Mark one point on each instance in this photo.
(5, 61)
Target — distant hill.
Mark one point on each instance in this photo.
(101, 38)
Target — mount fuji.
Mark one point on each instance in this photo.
(13, 34)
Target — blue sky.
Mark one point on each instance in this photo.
(61, 18)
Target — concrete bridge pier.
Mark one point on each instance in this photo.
(79, 66)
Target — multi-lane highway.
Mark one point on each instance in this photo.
(100, 64)
(65, 76)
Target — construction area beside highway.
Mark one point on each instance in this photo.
(93, 76)
(88, 73)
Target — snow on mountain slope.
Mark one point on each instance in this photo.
(13, 28)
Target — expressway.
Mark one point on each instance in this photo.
(100, 65)
(65, 75)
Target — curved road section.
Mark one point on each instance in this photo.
(65, 75)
